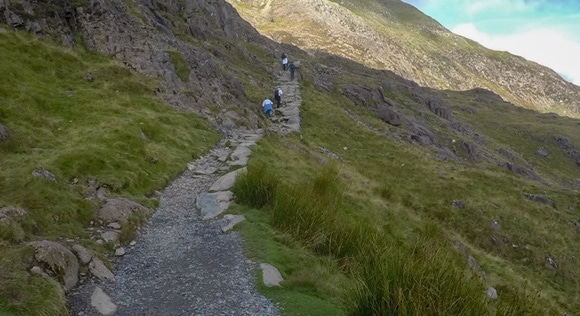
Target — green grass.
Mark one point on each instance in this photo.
(384, 213)
(109, 129)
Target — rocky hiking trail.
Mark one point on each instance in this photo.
(186, 261)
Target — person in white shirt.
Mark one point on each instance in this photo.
(267, 105)
(278, 96)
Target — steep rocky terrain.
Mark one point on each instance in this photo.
(189, 45)
(393, 35)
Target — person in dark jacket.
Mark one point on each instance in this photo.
(292, 70)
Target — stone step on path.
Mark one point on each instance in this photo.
(287, 118)
(183, 263)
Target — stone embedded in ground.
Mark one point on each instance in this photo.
(271, 275)
(491, 293)
(202, 170)
(121, 209)
(82, 253)
(232, 221)
(60, 260)
(4, 133)
(114, 225)
(213, 204)
(102, 302)
(38, 270)
(98, 269)
(111, 236)
(120, 251)
(240, 156)
(539, 199)
(10, 212)
(551, 262)
(458, 204)
(40, 172)
(226, 181)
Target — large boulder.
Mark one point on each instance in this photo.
(121, 209)
(59, 260)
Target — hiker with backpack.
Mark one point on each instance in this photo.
(278, 96)
(284, 61)
(292, 69)
(267, 105)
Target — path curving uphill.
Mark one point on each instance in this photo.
(185, 261)
(287, 117)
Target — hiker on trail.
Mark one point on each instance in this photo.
(278, 96)
(267, 105)
(284, 61)
(292, 69)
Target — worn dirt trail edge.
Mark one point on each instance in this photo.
(185, 262)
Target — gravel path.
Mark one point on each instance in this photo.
(181, 263)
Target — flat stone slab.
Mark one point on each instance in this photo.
(100, 270)
(232, 221)
(221, 154)
(213, 204)
(202, 170)
(226, 181)
(102, 302)
(271, 275)
(240, 156)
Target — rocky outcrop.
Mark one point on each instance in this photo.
(59, 260)
(571, 151)
(140, 35)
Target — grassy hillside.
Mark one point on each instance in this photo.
(379, 231)
(111, 129)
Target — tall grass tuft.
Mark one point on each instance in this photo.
(395, 277)
(257, 187)
(421, 280)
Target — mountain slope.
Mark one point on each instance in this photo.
(393, 35)
(391, 196)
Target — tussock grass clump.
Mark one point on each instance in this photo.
(423, 279)
(257, 187)
(395, 277)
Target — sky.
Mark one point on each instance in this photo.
(544, 31)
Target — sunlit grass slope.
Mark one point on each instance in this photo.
(111, 129)
(380, 221)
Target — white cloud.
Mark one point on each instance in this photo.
(545, 46)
